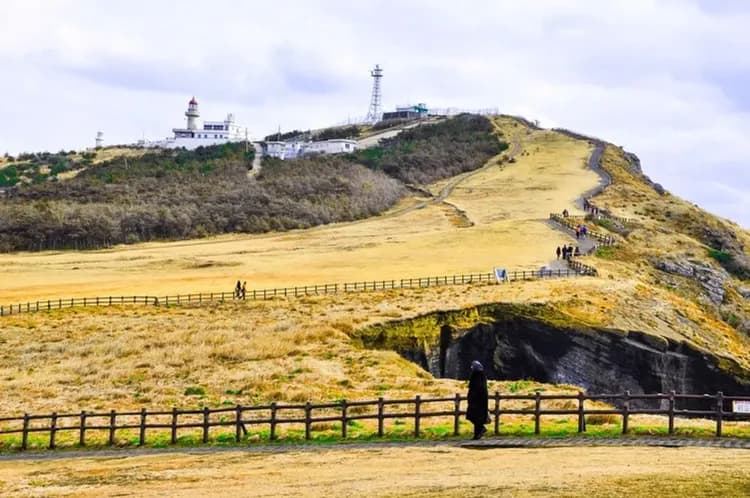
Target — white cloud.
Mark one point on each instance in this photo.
(664, 79)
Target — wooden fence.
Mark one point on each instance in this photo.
(572, 223)
(594, 210)
(306, 416)
(307, 290)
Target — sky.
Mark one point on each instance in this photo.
(668, 80)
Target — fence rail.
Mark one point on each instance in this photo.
(299, 291)
(308, 415)
(571, 223)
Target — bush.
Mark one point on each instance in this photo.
(721, 256)
(340, 132)
(195, 391)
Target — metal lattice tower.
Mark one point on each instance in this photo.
(374, 114)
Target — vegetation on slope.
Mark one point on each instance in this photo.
(424, 154)
(185, 194)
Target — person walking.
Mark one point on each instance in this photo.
(237, 290)
(477, 410)
(244, 289)
(558, 252)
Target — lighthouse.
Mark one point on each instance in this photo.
(192, 114)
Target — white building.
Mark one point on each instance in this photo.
(292, 150)
(193, 135)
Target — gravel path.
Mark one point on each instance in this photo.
(483, 444)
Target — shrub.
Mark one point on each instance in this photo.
(720, 256)
(195, 391)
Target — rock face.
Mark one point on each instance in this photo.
(600, 361)
(711, 279)
(724, 239)
(744, 292)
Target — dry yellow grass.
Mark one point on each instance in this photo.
(419, 243)
(390, 472)
(294, 350)
(282, 349)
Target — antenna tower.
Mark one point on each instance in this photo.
(374, 114)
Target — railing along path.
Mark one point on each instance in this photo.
(299, 291)
(306, 416)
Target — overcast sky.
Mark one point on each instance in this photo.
(668, 80)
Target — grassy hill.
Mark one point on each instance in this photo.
(190, 194)
(676, 275)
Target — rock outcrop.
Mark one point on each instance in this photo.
(711, 279)
(513, 346)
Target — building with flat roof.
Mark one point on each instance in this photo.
(195, 134)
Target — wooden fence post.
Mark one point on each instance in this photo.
(142, 428)
(537, 411)
(456, 414)
(581, 413)
(308, 420)
(112, 420)
(173, 438)
(497, 413)
(82, 433)
(25, 432)
(625, 411)
(417, 409)
(273, 421)
(671, 412)
(52, 430)
(206, 427)
(719, 412)
(381, 413)
(343, 419)
(238, 424)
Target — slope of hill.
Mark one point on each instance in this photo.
(190, 194)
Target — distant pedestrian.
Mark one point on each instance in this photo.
(244, 289)
(577, 252)
(565, 213)
(477, 410)
(558, 252)
(237, 290)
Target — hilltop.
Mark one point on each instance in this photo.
(179, 194)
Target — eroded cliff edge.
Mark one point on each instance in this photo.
(535, 342)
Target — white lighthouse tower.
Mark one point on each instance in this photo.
(99, 139)
(192, 114)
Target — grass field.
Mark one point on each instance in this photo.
(393, 472)
(301, 349)
(507, 205)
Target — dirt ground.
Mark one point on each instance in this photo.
(500, 228)
(444, 471)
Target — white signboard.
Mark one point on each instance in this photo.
(501, 275)
(741, 406)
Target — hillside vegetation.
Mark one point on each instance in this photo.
(425, 154)
(189, 194)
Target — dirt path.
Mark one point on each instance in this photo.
(483, 444)
(410, 471)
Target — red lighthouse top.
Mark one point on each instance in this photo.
(193, 101)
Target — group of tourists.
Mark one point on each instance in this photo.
(239, 290)
(566, 252)
(590, 208)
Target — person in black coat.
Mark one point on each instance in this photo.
(477, 410)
